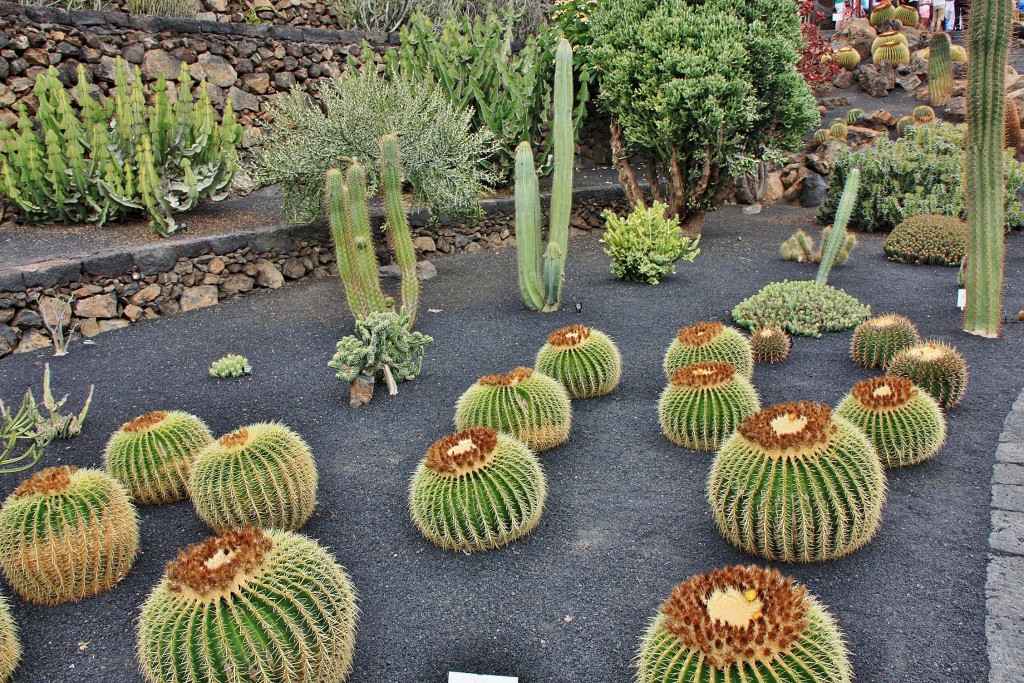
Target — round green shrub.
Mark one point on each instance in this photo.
(586, 361)
(477, 489)
(876, 341)
(231, 365)
(645, 245)
(709, 341)
(928, 239)
(261, 474)
(250, 605)
(801, 307)
(10, 646)
(936, 367)
(703, 403)
(770, 345)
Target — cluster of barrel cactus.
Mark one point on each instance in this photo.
(231, 365)
(800, 247)
(801, 307)
(586, 361)
(936, 367)
(928, 239)
(709, 341)
(892, 50)
(703, 403)
(878, 340)
(770, 345)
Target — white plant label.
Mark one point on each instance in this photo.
(459, 677)
(961, 298)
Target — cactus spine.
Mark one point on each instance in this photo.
(703, 403)
(10, 646)
(837, 238)
(398, 224)
(940, 70)
(540, 276)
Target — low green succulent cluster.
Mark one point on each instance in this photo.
(10, 646)
(231, 365)
(586, 361)
(645, 245)
(928, 240)
(703, 403)
(800, 247)
(381, 340)
(770, 345)
(709, 341)
(936, 367)
(801, 307)
(876, 341)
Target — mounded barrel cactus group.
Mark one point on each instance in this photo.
(703, 403)
(796, 484)
(262, 474)
(586, 361)
(709, 341)
(743, 625)
(66, 534)
(770, 345)
(477, 489)
(876, 341)
(152, 455)
(893, 51)
(529, 405)
(936, 367)
(250, 605)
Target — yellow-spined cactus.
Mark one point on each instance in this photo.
(707, 341)
(893, 51)
(936, 367)
(770, 345)
(703, 403)
(878, 340)
(586, 361)
(847, 57)
(10, 646)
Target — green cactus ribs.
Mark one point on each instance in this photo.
(936, 367)
(703, 404)
(250, 605)
(585, 361)
(10, 646)
(876, 341)
(709, 341)
(744, 625)
(476, 490)
(770, 345)
(848, 58)
(928, 240)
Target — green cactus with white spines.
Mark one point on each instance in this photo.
(67, 534)
(585, 361)
(904, 423)
(231, 365)
(878, 340)
(707, 341)
(10, 646)
(477, 489)
(703, 403)
(770, 345)
(847, 57)
(936, 367)
(742, 625)
(250, 605)
(795, 483)
(152, 455)
(528, 405)
(398, 224)
(261, 474)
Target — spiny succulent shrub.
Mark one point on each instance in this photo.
(936, 367)
(707, 341)
(381, 340)
(796, 484)
(477, 489)
(586, 361)
(878, 340)
(924, 114)
(743, 624)
(853, 116)
(703, 403)
(880, 12)
(801, 307)
(152, 455)
(262, 474)
(893, 51)
(10, 646)
(904, 423)
(838, 131)
(800, 247)
(907, 15)
(645, 245)
(847, 57)
(250, 605)
(928, 240)
(770, 345)
(185, 9)
(822, 135)
(67, 534)
(528, 405)
(887, 36)
(231, 365)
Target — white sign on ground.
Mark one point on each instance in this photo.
(459, 677)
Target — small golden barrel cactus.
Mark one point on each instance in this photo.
(67, 534)
(838, 131)
(893, 51)
(853, 116)
(924, 114)
(847, 57)
(10, 646)
(887, 36)
(822, 135)
(907, 15)
(796, 484)
(151, 455)
(743, 625)
(703, 403)
(880, 12)
(529, 405)
(903, 124)
(707, 341)
(770, 345)
(250, 605)
(936, 367)
(586, 361)
(262, 474)
(904, 423)
(477, 489)
(876, 341)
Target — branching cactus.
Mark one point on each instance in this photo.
(398, 224)
(837, 240)
(878, 340)
(586, 361)
(936, 367)
(541, 271)
(708, 341)
(703, 403)
(10, 646)
(940, 70)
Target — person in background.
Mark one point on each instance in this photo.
(939, 15)
(950, 14)
(924, 12)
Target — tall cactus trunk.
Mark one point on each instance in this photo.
(398, 224)
(989, 33)
(337, 200)
(528, 220)
(837, 236)
(940, 70)
(359, 220)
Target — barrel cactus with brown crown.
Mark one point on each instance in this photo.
(770, 345)
(936, 367)
(743, 625)
(703, 403)
(152, 455)
(876, 341)
(262, 474)
(707, 341)
(66, 534)
(795, 483)
(529, 405)
(250, 606)
(586, 361)
(477, 489)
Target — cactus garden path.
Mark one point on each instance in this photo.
(626, 516)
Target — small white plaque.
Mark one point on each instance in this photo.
(961, 298)
(459, 677)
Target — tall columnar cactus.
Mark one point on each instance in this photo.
(67, 534)
(703, 403)
(398, 224)
(477, 489)
(940, 70)
(707, 341)
(936, 367)
(152, 455)
(10, 646)
(796, 484)
(743, 625)
(262, 474)
(878, 340)
(250, 605)
(837, 238)
(540, 274)
(586, 361)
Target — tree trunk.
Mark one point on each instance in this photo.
(627, 174)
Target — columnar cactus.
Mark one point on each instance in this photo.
(67, 534)
(262, 474)
(10, 646)
(893, 51)
(743, 625)
(770, 345)
(837, 131)
(353, 241)
(837, 244)
(152, 455)
(477, 489)
(250, 605)
(878, 340)
(881, 11)
(528, 405)
(706, 341)
(586, 361)
(940, 69)
(847, 57)
(703, 403)
(796, 484)
(904, 423)
(936, 367)
(907, 15)
(398, 224)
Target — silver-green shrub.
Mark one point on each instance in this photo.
(645, 245)
(390, 15)
(185, 9)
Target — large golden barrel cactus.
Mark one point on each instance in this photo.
(586, 361)
(709, 341)
(703, 403)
